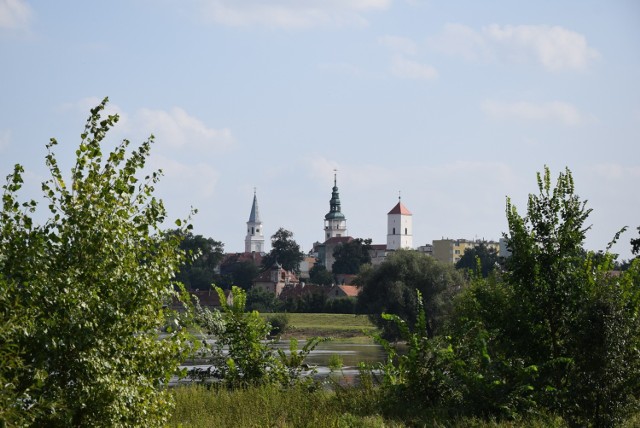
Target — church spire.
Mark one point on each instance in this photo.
(254, 217)
(254, 241)
(335, 223)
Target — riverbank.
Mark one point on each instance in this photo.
(340, 327)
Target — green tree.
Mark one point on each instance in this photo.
(203, 256)
(284, 250)
(349, 256)
(635, 245)
(261, 300)
(391, 288)
(488, 259)
(545, 269)
(563, 329)
(319, 274)
(91, 287)
(238, 272)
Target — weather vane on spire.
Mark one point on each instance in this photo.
(399, 195)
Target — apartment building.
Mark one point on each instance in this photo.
(451, 250)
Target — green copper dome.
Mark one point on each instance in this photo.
(334, 212)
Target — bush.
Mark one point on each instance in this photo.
(91, 288)
(242, 356)
(279, 323)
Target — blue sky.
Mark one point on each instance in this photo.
(456, 104)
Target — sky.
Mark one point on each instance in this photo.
(454, 105)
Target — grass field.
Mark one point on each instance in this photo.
(352, 328)
(270, 406)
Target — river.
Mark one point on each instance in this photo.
(350, 355)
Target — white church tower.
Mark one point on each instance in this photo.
(254, 242)
(335, 223)
(399, 228)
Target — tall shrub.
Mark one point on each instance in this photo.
(92, 284)
(559, 330)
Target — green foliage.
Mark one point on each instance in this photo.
(391, 287)
(546, 268)
(203, 256)
(291, 367)
(559, 330)
(341, 305)
(319, 274)
(90, 290)
(272, 406)
(285, 251)
(279, 323)
(486, 257)
(241, 355)
(424, 371)
(261, 300)
(635, 245)
(349, 256)
(240, 273)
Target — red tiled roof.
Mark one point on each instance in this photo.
(400, 209)
(350, 290)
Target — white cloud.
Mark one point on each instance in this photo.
(14, 14)
(408, 69)
(182, 180)
(293, 14)
(5, 139)
(556, 111)
(184, 143)
(173, 129)
(399, 44)
(617, 172)
(460, 40)
(554, 47)
(177, 129)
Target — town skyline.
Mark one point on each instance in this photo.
(457, 106)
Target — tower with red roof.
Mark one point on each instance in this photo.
(399, 227)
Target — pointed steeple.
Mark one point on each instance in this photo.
(254, 241)
(254, 217)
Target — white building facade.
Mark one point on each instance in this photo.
(399, 228)
(254, 241)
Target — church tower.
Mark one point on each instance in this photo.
(335, 223)
(399, 227)
(254, 242)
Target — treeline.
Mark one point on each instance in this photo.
(85, 296)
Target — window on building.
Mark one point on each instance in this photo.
(405, 231)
